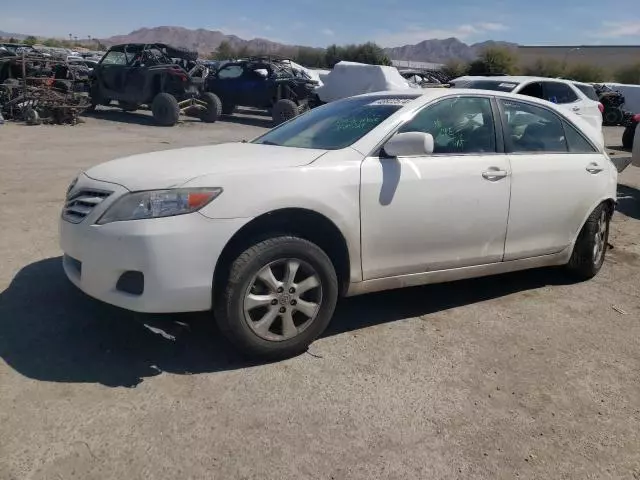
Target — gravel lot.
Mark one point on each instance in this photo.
(523, 375)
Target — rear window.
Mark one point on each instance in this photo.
(495, 85)
(589, 91)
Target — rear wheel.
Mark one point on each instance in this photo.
(613, 116)
(284, 110)
(213, 109)
(165, 109)
(591, 247)
(280, 296)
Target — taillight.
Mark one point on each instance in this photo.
(601, 107)
(637, 117)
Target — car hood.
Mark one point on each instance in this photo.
(172, 168)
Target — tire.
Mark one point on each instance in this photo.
(238, 325)
(165, 109)
(31, 116)
(214, 107)
(627, 137)
(613, 116)
(228, 108)
(586, 261)
(128, 106)
(284, 110)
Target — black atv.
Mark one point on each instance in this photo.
(157, 75)
(266, 83)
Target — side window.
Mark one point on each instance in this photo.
(529, 128)
(232, 71)
(577, 142)
(115, 58)
(532, 90)
(560, 93)
(458, 125)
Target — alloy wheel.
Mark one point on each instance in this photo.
(283, 299)
(600, 238)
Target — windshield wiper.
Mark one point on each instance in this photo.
(268, 142)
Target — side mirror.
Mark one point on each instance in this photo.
(410, 144)
(262, 72)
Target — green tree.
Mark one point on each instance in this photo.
(545, 68)
(225, 51)
(369, 53)
(30, 40)
(52, 42)
(629, 74)
(495, 60)
(14, 40)
(584, 72)
(455, 68)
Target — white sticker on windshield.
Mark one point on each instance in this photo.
(392, 101)
(507, 85)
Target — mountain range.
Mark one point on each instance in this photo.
(207, 41)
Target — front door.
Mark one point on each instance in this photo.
(441, 211)
(555, 172)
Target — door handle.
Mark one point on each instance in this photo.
(594, 168)
(576, 109)
(494, 173)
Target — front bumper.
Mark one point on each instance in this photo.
(175, 255)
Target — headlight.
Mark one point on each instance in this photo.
(158, 203)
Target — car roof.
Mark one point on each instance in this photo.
(514, 79)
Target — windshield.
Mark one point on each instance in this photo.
(336, 125)
(588, 90)
(496, 85)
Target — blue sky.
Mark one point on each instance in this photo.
(322, 22)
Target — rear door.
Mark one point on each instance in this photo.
(557, 176)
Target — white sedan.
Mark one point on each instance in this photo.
(375, 192)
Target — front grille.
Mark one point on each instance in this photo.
(81, 203)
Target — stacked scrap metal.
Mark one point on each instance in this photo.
(41, 89)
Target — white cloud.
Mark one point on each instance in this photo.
(619, 29)
(493, 27)
(416, 34)
(328, 32)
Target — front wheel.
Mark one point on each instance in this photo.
(591, 247)
(280, 296)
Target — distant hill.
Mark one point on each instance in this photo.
(204, 41)
(442, 51)
(18, 36)
(207, 41)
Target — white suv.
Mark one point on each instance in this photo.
(565, 93)
(369, 193)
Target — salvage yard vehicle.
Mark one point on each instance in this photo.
(351, 78)
(370, 193)
(262, 82)
(157, 75)
(564, 93)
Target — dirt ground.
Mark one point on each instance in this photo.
(519, 376)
